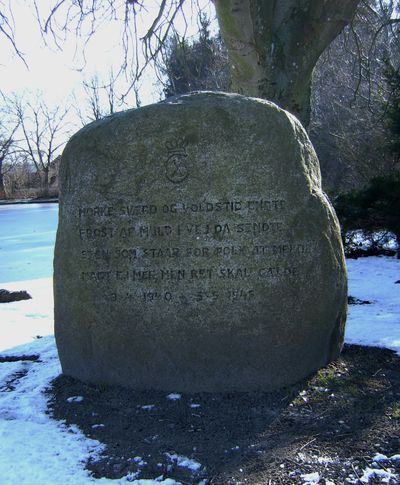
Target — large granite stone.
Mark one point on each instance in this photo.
(196, 250)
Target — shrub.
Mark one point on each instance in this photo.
(373, 209)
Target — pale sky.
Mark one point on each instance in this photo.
(55, 72)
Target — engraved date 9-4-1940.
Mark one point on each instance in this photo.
(185, 298)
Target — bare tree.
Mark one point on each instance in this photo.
(6, 144)
(43, 132)
(101, 98)
(350, 99)
(94, 90)
(19, 179)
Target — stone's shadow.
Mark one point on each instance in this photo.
(212, 429)
(234, 435)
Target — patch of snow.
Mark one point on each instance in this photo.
(22, 321)
(148, 407)
(380, 457)
(195, 406)
(326, 460)
(139, 461)
(311, 478)
(34, 448)
(174, 396)
(364, 241)
(385, 475)
(75, 399)
(184, 462)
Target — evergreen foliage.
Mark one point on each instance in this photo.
(197, 65)
(372, 209)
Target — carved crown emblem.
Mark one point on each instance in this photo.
(176, 169)
(176, 146)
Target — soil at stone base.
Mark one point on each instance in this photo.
(332, 423)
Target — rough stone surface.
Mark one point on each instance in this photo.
(196, 250)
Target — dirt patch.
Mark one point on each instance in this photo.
(331, 424)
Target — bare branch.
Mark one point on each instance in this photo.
(143, 29)
(7, 29)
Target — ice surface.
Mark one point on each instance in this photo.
(27, 237)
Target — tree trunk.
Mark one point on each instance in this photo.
(45, 182)
(273, 45)
(2, 188)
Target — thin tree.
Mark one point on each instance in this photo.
(43, 132)
(100, 97)
(94, 90)
(7, 141)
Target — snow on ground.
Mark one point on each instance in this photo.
(378, 324)
(22, 321)
(35, 450)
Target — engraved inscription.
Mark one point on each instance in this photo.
(248, 206)
(166, 230)
(181, 252)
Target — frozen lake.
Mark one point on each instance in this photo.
(27, 237)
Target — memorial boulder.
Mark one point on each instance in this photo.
(196, 250)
